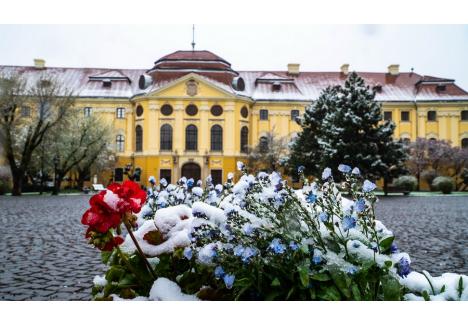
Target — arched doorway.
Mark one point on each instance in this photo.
(191, 170)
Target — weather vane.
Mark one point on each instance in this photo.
(193, 37)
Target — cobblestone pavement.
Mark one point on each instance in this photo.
(432, 230)
(43, 255)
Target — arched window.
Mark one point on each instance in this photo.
(120, 143)
(244, 139)
(191, 138)
(166, 137)
(263, 143)
(216, 138)
(138, 139)
(464, 143)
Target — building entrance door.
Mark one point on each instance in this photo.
(191, 170)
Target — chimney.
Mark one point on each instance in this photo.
(293, 69)
(394, 70)
(344, 68)
(39, 63)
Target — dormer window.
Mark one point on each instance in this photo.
(441, 88)
(276, 86)
(377, 88)
(106, 83)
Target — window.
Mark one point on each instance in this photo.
(120, 113)
(107, 83)
(138, 139)
(217, 176)
(120, 142)
(166, 137)
(191, 109)
(191, 138)
(404, 116)
(294, 115)
(165, 174)
(87, 111)
(431, 115)
(244, 139)
(216, 110)
(25, 111)
(244, 112)
(464, 115)
(263, 114)
(387, 115)
(166, 109)
(139, 111)
(216, 138)
(118, 174)
(464, 143)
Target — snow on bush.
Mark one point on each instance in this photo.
(257, 239)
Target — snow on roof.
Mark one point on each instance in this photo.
(307, 86)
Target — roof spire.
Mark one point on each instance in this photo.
(193, 37)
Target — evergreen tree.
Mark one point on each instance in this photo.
(345, 126)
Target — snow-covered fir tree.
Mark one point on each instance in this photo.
(345, 126)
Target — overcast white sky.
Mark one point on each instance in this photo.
(439, 50)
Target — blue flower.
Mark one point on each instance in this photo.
(301, 169)
(311, 198)
(368, 186)
(403, 267)
(248, 253)
(374, 246)
(326, 173)
(323, 217)
(190, 183)
(188, 253)
(229, 280)
(277, 246)
(351, 270)
(348, 222)
(293, 246)
(356, 171)
(393, 248)
(344, 168)
(248, 229)
(356, 244)
(360, 205)
(219, 272)
(238, 250)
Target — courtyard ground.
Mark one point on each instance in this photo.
(44, 256)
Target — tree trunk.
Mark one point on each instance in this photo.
(17, 183)
(385, 186)
(418, 176)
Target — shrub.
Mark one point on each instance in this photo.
(406, 182)
(444, 184)
(256, 239)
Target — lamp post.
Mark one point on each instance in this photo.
(56, 163)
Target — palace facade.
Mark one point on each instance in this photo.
(192, 114)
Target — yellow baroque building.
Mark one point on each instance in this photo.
(192, 115)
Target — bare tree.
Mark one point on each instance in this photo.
(269, 153)
(28, 111)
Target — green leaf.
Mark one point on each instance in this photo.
(356, 293)
(290, 293)
(388, 263)
(442, 290)
(127, 281)
(275, 282)
(114, 273)
(330, 293)
(105, 256)
(322, 277)
(386, 243)
(460, 287)
(391, 288)
(304, 275)
(342, 282)
(426, 295)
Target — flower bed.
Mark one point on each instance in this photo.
(256, 239)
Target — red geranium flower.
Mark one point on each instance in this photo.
(112, 244)
(133, 197)
(103, 213)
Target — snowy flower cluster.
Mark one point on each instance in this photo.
(258, 239)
